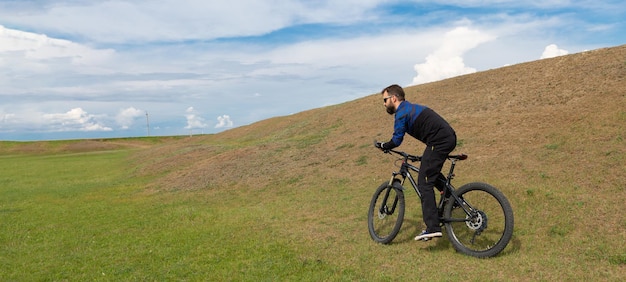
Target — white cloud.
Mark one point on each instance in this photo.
(224, 121)
(126, 117)
(5, 118)
(74, 120)
(193, 120)
(447, 60)
(39, 48)
(168, 20)
(552, 51)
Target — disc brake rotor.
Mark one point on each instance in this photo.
(478, 222)
(382, 213)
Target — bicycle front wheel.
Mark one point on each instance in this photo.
(482, 225)
(386, 212)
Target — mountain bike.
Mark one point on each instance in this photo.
(477, 217)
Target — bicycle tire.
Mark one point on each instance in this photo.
(384, 218)
(492, 228)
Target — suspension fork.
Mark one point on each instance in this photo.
(393, 177)
(384, 208)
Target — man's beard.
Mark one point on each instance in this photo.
(391, 109)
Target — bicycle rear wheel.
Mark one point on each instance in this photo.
(386, 212)
(488, 228)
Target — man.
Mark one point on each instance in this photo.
(427, 126)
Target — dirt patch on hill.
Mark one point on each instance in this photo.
(70, 146)
(89, 146)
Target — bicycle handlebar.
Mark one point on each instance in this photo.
(409, 157)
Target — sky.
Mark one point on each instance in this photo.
(80, 69)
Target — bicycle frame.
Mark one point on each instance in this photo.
(405, 169)
(446, 191)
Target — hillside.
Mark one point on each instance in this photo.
(549, 134)
(564, 115)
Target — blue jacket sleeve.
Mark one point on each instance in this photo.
(400, 128)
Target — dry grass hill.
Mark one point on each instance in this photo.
(550, 134)
(562, 117)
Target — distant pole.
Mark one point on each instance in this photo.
(148, 123)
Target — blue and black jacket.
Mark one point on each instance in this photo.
(423, 124)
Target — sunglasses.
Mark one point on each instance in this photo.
(385, 99)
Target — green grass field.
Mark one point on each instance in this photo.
(82, 217)
(86, 216)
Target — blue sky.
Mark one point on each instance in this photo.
(72, 69)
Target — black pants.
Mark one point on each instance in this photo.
(430, 169)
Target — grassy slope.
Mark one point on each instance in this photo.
(549, 133)
(288, 195)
